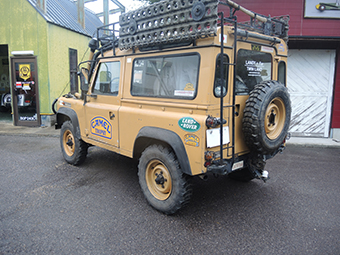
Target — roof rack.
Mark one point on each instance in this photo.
(170, 21)
(273, 26)
(181, 22)
(107, 38)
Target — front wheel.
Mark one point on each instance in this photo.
(74, 149)
(164, 185)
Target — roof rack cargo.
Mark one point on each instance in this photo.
(181, 22)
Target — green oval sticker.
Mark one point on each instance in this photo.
(189, 124)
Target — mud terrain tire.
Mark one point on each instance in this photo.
(74, 150)
(164, 185)
(266, 117)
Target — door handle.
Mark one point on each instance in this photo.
(112, 115)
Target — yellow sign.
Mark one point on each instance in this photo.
(189, 86)
(24, 71)
(101, 127)
(192, 140)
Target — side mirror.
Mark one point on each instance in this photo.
(84, 82)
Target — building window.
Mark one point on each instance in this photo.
(73, 70)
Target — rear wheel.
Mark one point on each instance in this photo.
(74, 149)
(164, 185)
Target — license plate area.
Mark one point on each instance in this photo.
(213, 137)
(237, 165)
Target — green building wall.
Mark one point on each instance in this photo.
(59, 42)
(23, 28)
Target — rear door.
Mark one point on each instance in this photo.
(103, 103)
(253, 66)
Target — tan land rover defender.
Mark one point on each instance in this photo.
(185, 89)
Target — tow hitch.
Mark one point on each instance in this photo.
(264, 176)
(256, 165)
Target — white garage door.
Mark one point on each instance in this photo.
(310, 84)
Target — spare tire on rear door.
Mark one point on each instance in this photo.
(266, 117)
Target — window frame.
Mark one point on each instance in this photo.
(167, 56)
(284, 73)
(97, 92)
(218, 60)
(249, 85)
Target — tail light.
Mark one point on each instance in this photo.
(208, 156)
(212, 122)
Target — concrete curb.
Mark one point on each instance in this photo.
(314, 142)
(7, 128)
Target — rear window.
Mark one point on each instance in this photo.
(252, 67)
(168, 77)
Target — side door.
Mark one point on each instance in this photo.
(103, 103)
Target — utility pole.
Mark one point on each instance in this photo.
(81, 13)
(106, 11)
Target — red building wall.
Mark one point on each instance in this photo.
(336, 102)
(300, 27)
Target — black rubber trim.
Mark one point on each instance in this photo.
(170, 138)
(72, 115)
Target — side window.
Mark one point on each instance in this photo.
(218, 79)
(281, 74)
(168, 77)
(107, 80)
(252, 67)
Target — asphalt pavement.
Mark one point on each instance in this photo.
(50, 207)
